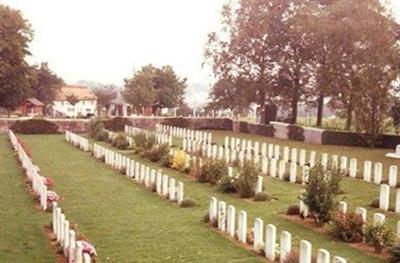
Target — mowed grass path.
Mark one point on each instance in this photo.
(271, 212)
(22, 238)
(126, 222)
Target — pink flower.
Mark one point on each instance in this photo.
(88, 248)
(52, 196)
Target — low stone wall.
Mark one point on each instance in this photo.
(276, 129)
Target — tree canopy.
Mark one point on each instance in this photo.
(46, 83)
(154, 87)
(15, 74)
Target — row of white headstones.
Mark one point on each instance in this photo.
(239, 149)
(194, 135)
(225, 217)
(32, 171)
(141, 173)
(72, 249)
(161, 138)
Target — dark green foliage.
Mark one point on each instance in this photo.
(261, 197)
(246, 181)
(394, 254)
(348, 227)
(293, 210)
(139, 140)
(116, 124)
(158, 153)
(96, 130)
(120, 142)
(379, 237)
(35, 126)
(320, 194)
(226, 185)
(212, 171)
(188, 202)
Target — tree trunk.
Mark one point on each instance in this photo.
(293, 118)
(349, 116)
(320, 110)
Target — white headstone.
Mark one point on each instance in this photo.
(270, 242)
(384, 195)
(367, 171)
(230, 224)
(222, 216)
(258, 233)
(285, 245)
(393, 175)
(323, 256)
(242, 227)
(378, 219)
(305, 252)
(378, 173)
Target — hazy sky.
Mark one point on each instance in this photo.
(104, 41)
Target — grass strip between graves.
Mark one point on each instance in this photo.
(272, 211)
(126, 222)
(22, 237)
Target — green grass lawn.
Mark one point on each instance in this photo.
(126, 222)
(287, 194)
(22, 238)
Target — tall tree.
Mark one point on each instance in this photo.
(248, 45)
(46, 84)
(154, 87)
(16, 75)
(105, 94)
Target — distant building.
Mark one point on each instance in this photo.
(75, 102)
(118, 107)
(31, 107)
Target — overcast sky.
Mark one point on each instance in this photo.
(103, 41)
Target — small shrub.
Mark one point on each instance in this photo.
(213, 170)
(116, 124)
(394, 254)
(320, 194)
(157, 153)
(378, 236)
(179, 160)
(101, 136)
(139, 140)
(188, 202)
(375, 203)
(34, 126)
(261, 197)
(247, 180)
(120, 142)
(293, 210)
(226, 185)
(348, 227)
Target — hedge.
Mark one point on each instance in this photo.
(35, 126)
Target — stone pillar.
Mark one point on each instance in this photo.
(367, 171)
(305, 252)
(270, 242)
(258, 234)
(264, 165)
(379, 219)
(165, 185)
(179, 193)
(293, 172)
(353, 167)
(222, 216)
(213, 210)
(339, 260)
(323, 256)
(259, 186)
(393, 175)
(242, 227)
(273, 167)
(343, 207)
(286, 154)
(378, 173)
(384, 195)
(172, 189)
(282, 169)
(362, 212)
(285, 245)
(230, 224)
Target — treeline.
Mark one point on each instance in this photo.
(279, 53)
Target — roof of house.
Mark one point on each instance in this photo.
(35, 101)
(80, 92)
